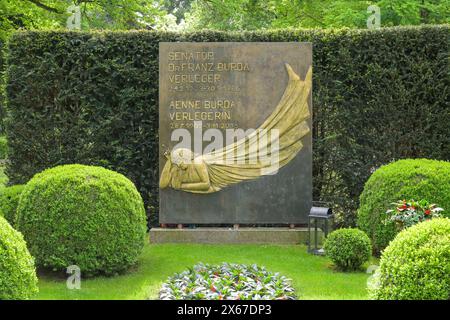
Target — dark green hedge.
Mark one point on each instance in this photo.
(3, 146)
(9, 200)
(92, 98)
(2, 66)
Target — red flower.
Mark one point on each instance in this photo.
(212, 288)
(427, 212)
(404, 206)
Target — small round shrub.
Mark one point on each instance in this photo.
(416, 264)
(348, 248)
(9, 200)
(403, 179)
(17, 272)
(227, 281)
(82, 215)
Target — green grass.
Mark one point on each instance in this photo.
(313, 277)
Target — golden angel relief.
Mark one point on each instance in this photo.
(211, 172)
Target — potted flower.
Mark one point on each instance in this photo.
(408, 213)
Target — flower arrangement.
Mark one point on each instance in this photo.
(227, 282)
(408, 213)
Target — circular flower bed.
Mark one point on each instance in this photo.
(227, 281)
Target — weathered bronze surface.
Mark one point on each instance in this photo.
(211, 87)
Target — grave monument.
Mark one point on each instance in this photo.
(235, 124)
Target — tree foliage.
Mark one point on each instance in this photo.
(266, 14)
(96, 14)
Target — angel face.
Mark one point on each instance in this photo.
(181, 157)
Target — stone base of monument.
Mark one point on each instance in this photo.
(230, 235)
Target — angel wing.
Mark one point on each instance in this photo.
(242, 159)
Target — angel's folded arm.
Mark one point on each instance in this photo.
(165, 175)
(204, 183)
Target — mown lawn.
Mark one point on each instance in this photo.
(313, 277)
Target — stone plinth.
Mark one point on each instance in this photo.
(230, 235)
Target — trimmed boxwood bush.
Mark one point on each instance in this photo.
(416, 264)
(348, 248)
(9, 200)
(82, 215)
(17, 272)
(403, 179)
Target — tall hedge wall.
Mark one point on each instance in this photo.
(92, 98)
(2, 111)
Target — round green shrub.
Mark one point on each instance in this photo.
(82, 215)
(17, 272)
(9, 200)
(404, 179)
(348, 248)
(416, 264)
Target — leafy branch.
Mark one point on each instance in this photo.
(45, 7)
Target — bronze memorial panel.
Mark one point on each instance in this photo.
(235, 123)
